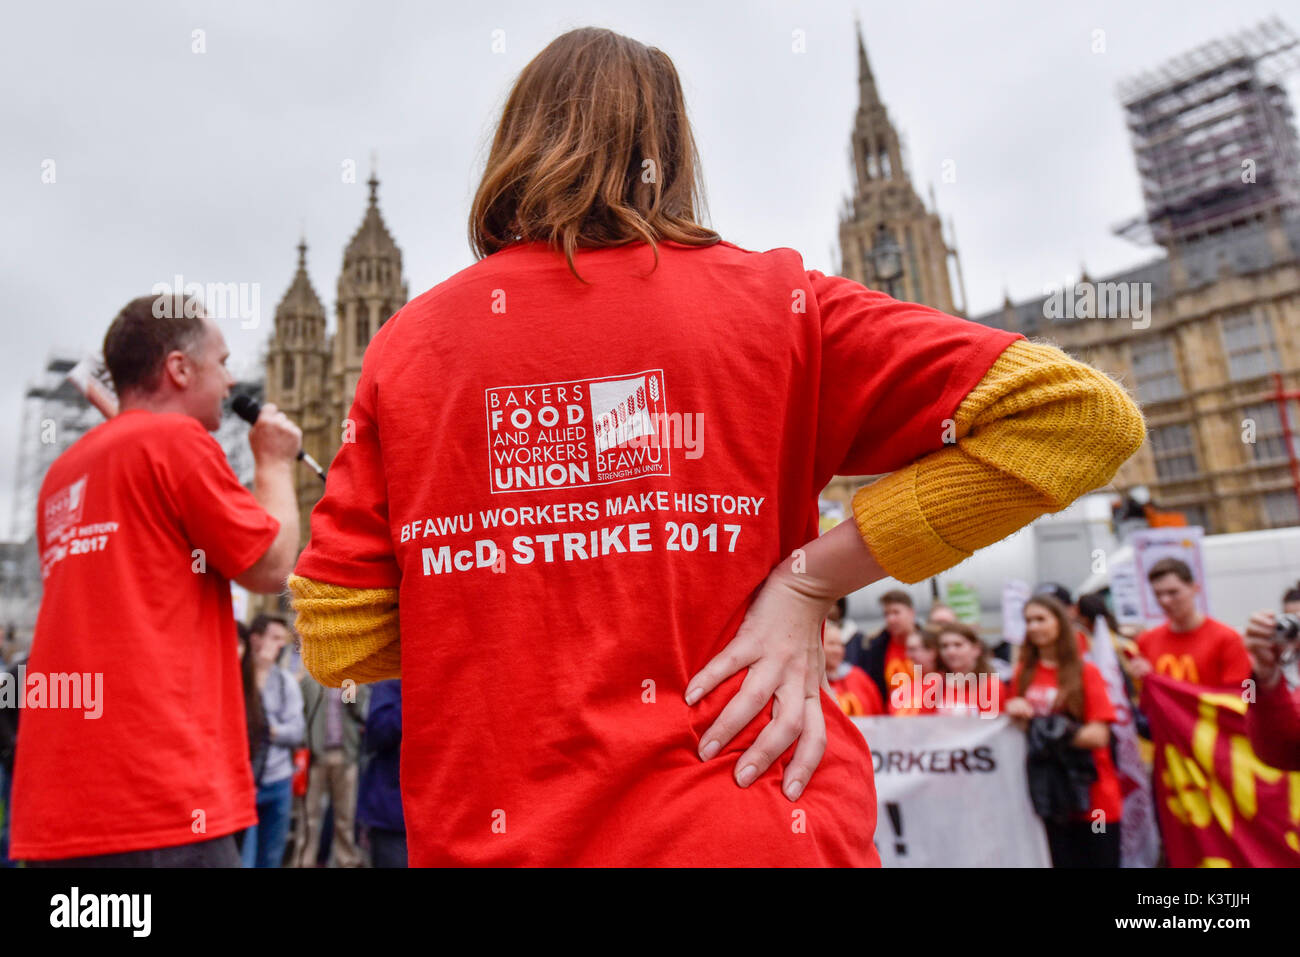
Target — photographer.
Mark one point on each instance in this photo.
(1273, 721)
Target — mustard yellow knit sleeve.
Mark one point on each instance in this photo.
(347, 632)
(1038, 431)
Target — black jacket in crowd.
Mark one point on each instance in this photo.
(869, 655)
(1060, 775)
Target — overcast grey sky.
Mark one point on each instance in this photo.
(208, 164)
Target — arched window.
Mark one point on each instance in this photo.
(363, 329)
(287, 364)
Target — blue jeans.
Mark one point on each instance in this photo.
(264, 841)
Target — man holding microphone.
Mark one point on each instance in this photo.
(141, 526)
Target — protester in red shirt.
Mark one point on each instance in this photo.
(971, 686)
(1189, 646)
(884, 656)
(142, 526)
(914, 692)
(522, 464)
(1273, 718)
(855, 693)
(1052, 677)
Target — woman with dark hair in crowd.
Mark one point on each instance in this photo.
(254, 715)
(971, 685)
(282, 728)
(1051, 677)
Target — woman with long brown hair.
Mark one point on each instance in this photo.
(1051, 677)
(577, 514)
(971, 685)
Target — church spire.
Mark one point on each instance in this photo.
(867, 93)
(888, 239)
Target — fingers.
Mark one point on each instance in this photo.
(809, 751)
(1261, 625)
(755, 691)
(773, 741)
(741, 652)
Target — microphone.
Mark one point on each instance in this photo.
(248, 409)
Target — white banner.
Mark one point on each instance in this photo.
(952, 792)
(1014, 595)
(1125, 595)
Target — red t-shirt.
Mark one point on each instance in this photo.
(141, 524)
(502, 481)
(897, 663)
(1211, 654)
(1041, 695)
(857, 694)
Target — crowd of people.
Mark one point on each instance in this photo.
(550, 753)
(943, 667)
(318, 754)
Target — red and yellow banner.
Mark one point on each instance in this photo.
(1219, 805)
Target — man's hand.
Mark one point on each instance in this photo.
(274, 438)
(275, 442)
(1139, 667)
(1261, 648)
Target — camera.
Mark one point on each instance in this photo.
(1287, 630)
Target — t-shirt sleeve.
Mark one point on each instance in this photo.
(351, 542)
(1097, 705)
(217, 514)
(892, 374)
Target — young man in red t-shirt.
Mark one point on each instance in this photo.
(885, 656)
(1189, 646)
(141, 526)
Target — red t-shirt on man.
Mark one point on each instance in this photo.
(897, 663)
(141, 524)
(1041, 695)
(1211, 654)
(561, 578)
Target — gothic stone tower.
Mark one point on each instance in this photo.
(888, 240)
(312, 379)
(297, 364)
(370, 289)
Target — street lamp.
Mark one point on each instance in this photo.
(887, 261)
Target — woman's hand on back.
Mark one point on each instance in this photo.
(779, 642)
